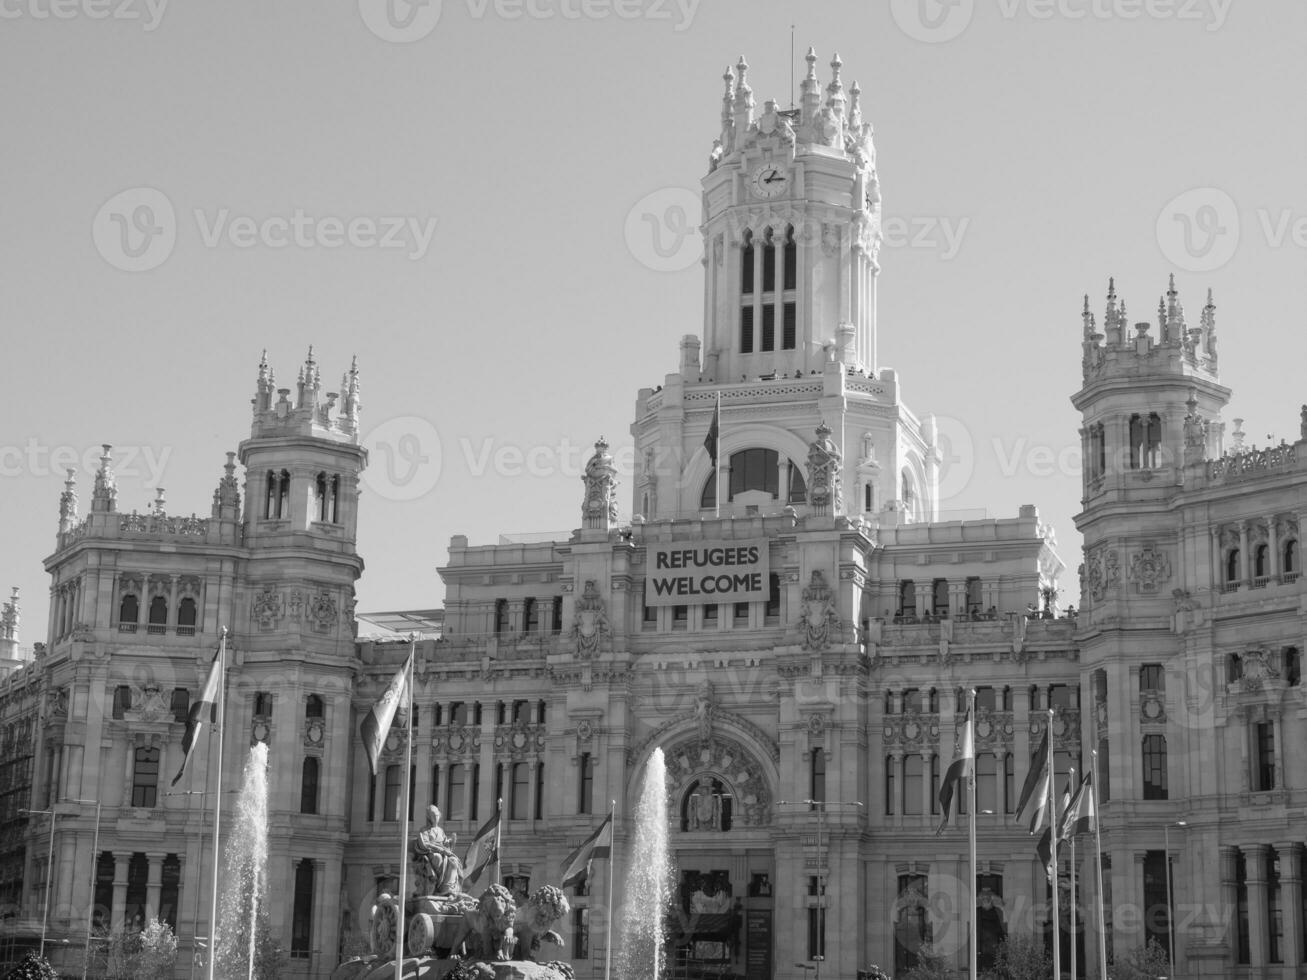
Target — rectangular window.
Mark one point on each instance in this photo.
(1151, 678)
(302, 916)
(934, 785)
(746, 329)
(558, 614)
(372, 797)
(580, 934)
(912, 785)
(791, 256)
(789, 325)
(435, 785)
(768, 267)
(710, 613)
(1157, 913)
(1265, 733)
(769, 327)
(521, 791)
(974, 601)
(817, 775)
(122, 701)
(889, 785)
(1274, 910)
(474, 791)
(145, 777)
(741, 613)
(680, 615)
(586, 789)
(458, 714)
(1104, 772)
(939, 596)
(986, 700)
(181, 705)
(1155, 784)
(912, 700)
(1243, 938)
(746, 270)
(816, 932)
(457, 792)
(262, 704)
(986, 782)
(540, 791)
(1009, 783)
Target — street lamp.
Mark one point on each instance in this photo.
(820, 806)
(1170, 908)
(49, 871)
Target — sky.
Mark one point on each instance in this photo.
(456, 192)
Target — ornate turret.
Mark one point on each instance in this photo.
(105, 495)
(313, 411)
(68, 503)
(599, 508)
(227, 495)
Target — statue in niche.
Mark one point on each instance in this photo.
(589, 622)
(705, 807)
(825, 473)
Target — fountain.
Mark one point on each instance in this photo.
(243, 918)
(642, 940)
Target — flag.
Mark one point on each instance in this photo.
(482, 852)
(1081, 814)
(207, 705)
(576, 866)
(710, 440)
(958, 770)
(1039, 813)
(1045, 846)
(1038, 766)
(376, 726)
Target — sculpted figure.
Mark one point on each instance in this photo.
(433, 853)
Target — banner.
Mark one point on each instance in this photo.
(701, 573)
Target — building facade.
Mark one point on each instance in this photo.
(789, 618)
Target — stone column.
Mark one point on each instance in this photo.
(1272, 549)
(1243, 552)
(1228, 913)
(1214, 550)
(467, 794)
(326, 910)
(1258, 922)
(121, 859)
(154, 885)
(1291, 949)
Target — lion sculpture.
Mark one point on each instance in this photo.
(534, 923)
(491, 922)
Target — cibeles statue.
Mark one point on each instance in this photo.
(434, 859)
(599, 508)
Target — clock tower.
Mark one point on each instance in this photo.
(792, 233)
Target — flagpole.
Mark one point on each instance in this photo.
(971, 831)
(407, 777)
(499, 823)
(717, 461)
(1073, 907)
(217, 800)
(1098, 866)
(612, 853)
(1052, 823)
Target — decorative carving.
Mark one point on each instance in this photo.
(704, 707)
(705, 807)
(585, 730)
(819, 620)
(321, 613)
(734, 765)
(825, 466)
(589, 622)
(1257, 670)
(1184, 602)
(1149, 568)
(268, 608)
(599, 508)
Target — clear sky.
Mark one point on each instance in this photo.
(455, 192)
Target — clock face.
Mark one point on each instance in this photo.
(769, 180)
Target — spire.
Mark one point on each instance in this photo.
(353, 402)
(728, 111)
(9, 619)
(105, 495)
(810, 90)
(743, 97)
(1113, 316)
(68, 503)
(1209, 323)
(227, 495)
(855, 108)
(1173, 330)
(835, 90)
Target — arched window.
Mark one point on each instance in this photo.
(768, 263)
(990, 930)
(798, 486)
(746, 265)
(1232, 566)
(501, 617)
(912, 776)
(1290, 563)
(1145, 441)
(327, 497)
(1261, 561)
(521, 791)
(1233, 668)
(754, 469)
(309, 785)
(158, 614)
(283, 494)
(791, 262)
(746, 294)
(186, 616)
(129, 613)
(270, 495)
(912, 925)
(706, 807)
(867, 503)
(1292, 666)
(1155, 781)
(1152, 677)
(907, 597)
(314, 707)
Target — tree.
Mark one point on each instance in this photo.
(146, 955)
(1142, 963)
(929, 967)
(32, 967)
(1023, 958)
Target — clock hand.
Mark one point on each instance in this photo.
(773, 178)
